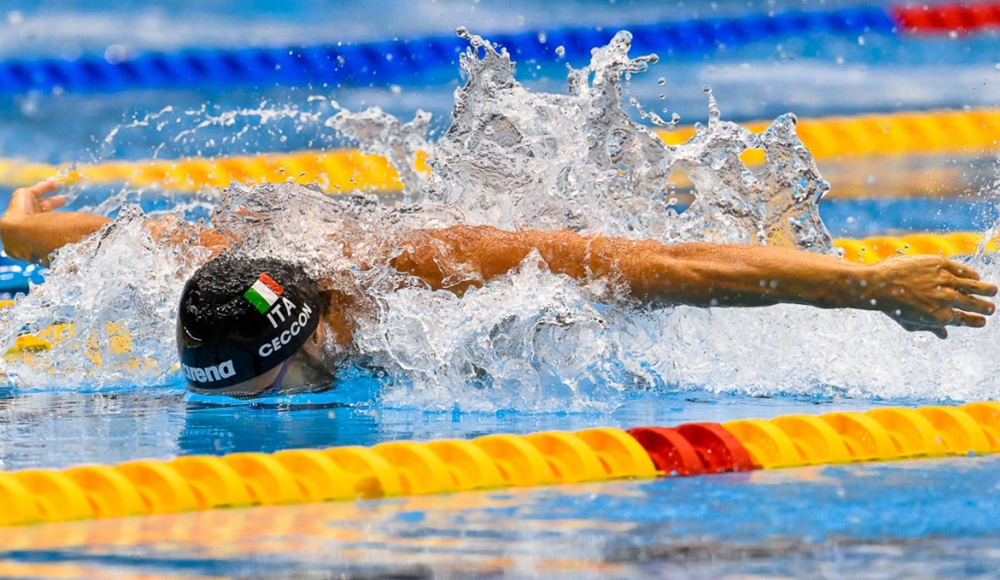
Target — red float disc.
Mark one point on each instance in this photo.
(716, 447)
(944, 18)
(670, 451)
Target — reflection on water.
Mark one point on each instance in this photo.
(46, 429)
(58, 429)
(933, 517)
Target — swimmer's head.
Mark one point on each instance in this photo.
(241, 322)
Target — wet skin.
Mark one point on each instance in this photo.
(921, 293)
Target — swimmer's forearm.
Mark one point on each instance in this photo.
(33, 238)
(701, 274)
(697, 274)
(716, 275)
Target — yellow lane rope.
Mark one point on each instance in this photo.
(878, 248)
(410, 468)
(337, 171)
(971, 133)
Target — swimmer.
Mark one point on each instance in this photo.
(253, 326)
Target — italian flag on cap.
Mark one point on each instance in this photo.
(264, 293)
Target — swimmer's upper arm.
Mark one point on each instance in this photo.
(460, 257)
(178, 234)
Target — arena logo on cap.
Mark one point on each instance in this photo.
(264, 293)
(209, 374)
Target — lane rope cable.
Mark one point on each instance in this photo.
(418, 60)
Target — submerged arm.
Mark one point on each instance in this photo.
(921, 293)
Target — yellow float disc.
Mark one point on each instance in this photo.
(268, 481)
(987, 415)
(770, 446)
(421, 471)
(60, 498)
(470, 466)
(214, 483)
(910, 431)
(109, 492)
(879, 248)
(960, 432)
(162, 488)
(317, 475)
(519, 462)
(571, 459)
(19, 506)
(620, 454)
(854, 250)
(815, 440)
(863, 436)
(931, 244)
(374, 476)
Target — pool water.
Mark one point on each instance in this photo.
(928, 518)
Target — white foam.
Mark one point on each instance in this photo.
(530, 340)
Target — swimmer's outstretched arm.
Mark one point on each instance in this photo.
(30, 230)
(920, 293)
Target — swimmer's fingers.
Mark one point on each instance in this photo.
(966, 319)
(961, 270)
(51, 203)
(40, 190)
(971, 303)
(27, 200)
(974, 286)
(938, 331)
(954, 318)
(43, 188)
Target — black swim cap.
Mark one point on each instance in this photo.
(240, 317)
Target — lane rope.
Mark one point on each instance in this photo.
(878, 248)
(429, 59)
(965, 18)
(411, 61)
(829, 139)
(407, 468)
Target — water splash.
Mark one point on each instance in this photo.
(517, 159)
(532, 340)
(108, 306)
(405, 145)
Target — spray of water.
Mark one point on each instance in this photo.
(529, 340)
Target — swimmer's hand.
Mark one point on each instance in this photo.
(31, 200)
(930, 293)
(30, 232)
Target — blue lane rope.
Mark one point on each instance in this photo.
(15, 276)
(390, 62)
